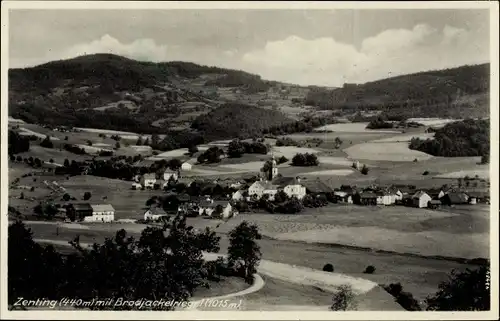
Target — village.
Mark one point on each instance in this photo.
(266, 191)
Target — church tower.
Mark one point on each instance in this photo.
(273, 171)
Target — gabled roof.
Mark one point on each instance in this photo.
(316, 186)
(81, 206)
(149, 176)
(266, 185)
(285, 181)
(419, 194)
(156, 210)
(102, 208)
(433, 191)
(457, 198)
(368, 195)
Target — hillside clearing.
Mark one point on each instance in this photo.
(330, 172)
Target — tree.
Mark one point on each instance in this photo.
(117, 145)
(282, 160)
(485, 158)
(193, 150)
(66, 163)
(343, 299)
(463, 291)
(243, 248)
(51, 161)
(139, 141)
(89, 142)
(305, 160)
(47, 143)
(235, 148)
(328, 267)
(66, 138)
(338, 142)
(175, 164)
(364, 170)
(66, 197)
(87, 196)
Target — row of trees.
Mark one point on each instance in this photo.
(171, 255)
(237, 148)
(306, 159)
(17, 143)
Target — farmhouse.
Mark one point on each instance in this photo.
(455, 198)
(365, 198)
(148, 180)
(434, 204)
(291, 186)
(136, 185)
(435, 193)
(215, 208)
(317, 187)
(260, 188)
(186, 166)
(154, 213)
(385, 198)
(170, 174)
(477, 197)
(93, 213)
(421, 199)
(343, 196)
(78, 211)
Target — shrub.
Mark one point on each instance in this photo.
(343, 299)
(32, 189)
(370, 269)
(66, 197)
(89, 142)
(405, 299)
(87, 196)
(328, 268)
(364, 170)
(425, 173)
(47, 143)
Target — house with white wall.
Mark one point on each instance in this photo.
(421, 199)
(168, 174)
(148, 180)
(101, 213)
(186, 166)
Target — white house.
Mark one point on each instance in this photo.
(386, 198)
(154, 213)
(343, 197)
(186, 166)
(208, 208)
(291, 186)
(236, 185)
(167, 174)
(148, 180)
(421, 199)
(101, 213)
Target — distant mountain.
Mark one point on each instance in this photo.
(457, 92)
(113, 92)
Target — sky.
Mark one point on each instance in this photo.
(307, 47)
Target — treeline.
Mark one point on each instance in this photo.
(305, 125)
(305, 160)
(459, 139)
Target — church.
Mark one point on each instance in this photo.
(271, 182)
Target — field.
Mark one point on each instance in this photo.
(353, 128)
(433, 122)
(481, 173)
(397, 152)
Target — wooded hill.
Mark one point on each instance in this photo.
(456, 92)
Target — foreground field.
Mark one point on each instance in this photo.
(386, 151)
(418, 275)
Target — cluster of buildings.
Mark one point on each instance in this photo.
(155, 181)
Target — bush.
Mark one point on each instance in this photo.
(425, 173)
(47, 143)
(66, 197)
(87, 196)
(405, 299)
(305, 160)
(328, 268)
(343, 299)
(89, 142)
(370, 269)
(364, 170)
